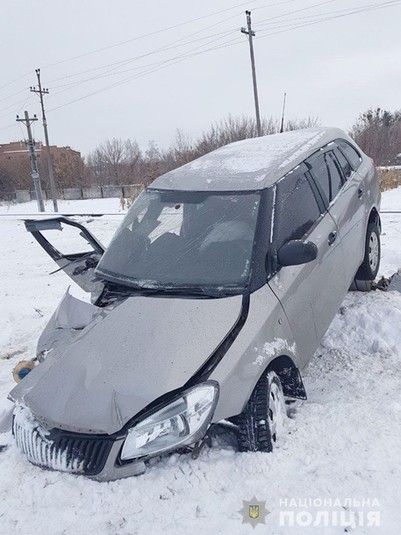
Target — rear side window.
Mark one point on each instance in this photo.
(344, 163)
(296, 208)
(321, 175)
(335, 175)
(350, 153)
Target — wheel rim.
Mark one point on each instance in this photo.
(373, 251)
(276, 411)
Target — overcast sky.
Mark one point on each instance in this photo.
(333, 69)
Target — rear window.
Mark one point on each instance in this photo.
(350, 153)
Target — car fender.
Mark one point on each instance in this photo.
(265, 335)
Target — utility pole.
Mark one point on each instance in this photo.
(283, 114)
(34, 163)
(251, 34)
(42, 92)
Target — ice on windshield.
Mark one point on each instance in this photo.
(184, 239)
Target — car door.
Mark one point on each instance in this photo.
(344, 209)
(309, 293)
(70, 235)
(339, 196)
(354, 194)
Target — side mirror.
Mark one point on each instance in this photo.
(296, 252)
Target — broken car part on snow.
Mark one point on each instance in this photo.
(205, 308)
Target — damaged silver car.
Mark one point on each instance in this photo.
(210, 300)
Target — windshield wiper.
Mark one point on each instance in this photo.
(174, 290)
(189, 291)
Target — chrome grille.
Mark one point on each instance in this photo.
(57, 449)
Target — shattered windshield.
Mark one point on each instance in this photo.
(173, 239)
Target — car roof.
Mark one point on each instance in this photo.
(250, 164)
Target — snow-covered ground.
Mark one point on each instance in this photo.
(343, 444)
(87, 206)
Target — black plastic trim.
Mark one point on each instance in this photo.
(35, 226)
(207, 368)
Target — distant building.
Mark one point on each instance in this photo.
(14, 162)
(17, 149)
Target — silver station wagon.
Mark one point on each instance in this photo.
(210, 300)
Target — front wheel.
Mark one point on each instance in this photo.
(371, 261)
(263, 420)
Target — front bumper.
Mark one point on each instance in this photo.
(95, 456)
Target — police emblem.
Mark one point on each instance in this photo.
(253, 512)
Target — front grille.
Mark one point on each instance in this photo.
(57, 449)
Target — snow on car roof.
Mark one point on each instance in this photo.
(249, 164)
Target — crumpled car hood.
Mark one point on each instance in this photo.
(118, 364)
(64, 326)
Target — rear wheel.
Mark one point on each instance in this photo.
(371, 261)
(263, 420)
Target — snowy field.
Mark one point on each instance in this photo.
(343, 443)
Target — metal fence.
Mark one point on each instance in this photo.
(129, 191)
(389, 177)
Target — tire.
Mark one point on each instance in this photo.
(262, 421)
(360, 286)
(371, 261)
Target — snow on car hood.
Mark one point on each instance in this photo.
(144, 348)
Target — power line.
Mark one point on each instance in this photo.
(25, 75)
(322, 16)
(113, 71)
(134, 58)
(229, 43)
(21, 105)
(169, 45)
(163, 64)
(122, 62)
(298, 10)
(325, 19)
(13, 95)
(147, 35)
(282, 24)
(13, 105)
(160, 65)
(150, 34)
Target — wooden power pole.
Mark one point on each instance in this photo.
(251, 34)
(42, 91)
(283, 113)
(30, 143)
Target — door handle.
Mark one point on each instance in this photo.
(332, 237)
(360, 193)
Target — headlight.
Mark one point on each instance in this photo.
(183, 421)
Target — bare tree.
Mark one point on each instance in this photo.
(114, 162)
(118, 161)
(309, 122)
(378, 132)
